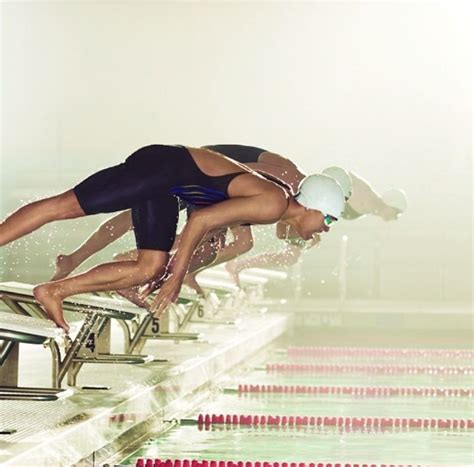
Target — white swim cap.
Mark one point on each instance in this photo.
(396, 198)
(342, 177)
(322, 193)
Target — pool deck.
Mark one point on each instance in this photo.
(90, 426)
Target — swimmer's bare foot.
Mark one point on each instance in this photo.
(190, 281)
(133, 296)
(233, 272)
(48, 295)
(64, 266)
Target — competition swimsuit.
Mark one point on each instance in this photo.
(238, 152)
(150, 181)
(245, 155)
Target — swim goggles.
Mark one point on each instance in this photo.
(328, 219)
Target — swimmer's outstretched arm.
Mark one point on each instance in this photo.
(281, 258)
(242, 243)
(288, 256)
(265, 207)
(203, 257)
(365, 200)
(109, 231)
(208, 254)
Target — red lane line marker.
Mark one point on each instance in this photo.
(379, 352)
(357, 391)
(346, 422)
(221, 463)
(368, 369)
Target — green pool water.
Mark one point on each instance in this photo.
(325, 444)
(346, 379)
(283, 404)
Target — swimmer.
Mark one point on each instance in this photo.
(269, 164)
(150, 182)
(275, 167)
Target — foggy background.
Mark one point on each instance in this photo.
(383, 89)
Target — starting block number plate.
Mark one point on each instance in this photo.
(153, 328)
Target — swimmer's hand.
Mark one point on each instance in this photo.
(167, 294)
(149, 288)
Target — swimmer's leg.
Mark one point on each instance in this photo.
(109, 231)
(109, 276)
(34, 215)
(131, 293)
(154, 223)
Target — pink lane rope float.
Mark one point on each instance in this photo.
(355, 391)
(206, 420)
(221, 463)
(378, 352)
(368, 369)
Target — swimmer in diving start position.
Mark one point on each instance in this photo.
(360, 198)
(150, 182)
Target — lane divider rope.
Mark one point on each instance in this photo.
(368, 369)
(295, 351)
(346, 422)
(143, 462)
(371, 391)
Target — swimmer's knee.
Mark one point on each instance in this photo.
(150, 271)
(152, 263)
